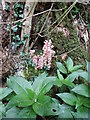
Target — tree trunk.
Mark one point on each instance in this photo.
(28, 23)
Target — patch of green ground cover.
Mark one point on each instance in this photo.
(64, 44)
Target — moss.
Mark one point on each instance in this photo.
(64, 44)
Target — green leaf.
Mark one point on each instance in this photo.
(47, 84)
(27, 113)
(59, 75)
(65, 111)
(68, 98)
(76, 67)
(40, 105)
(12, 113)
(82, 112)
(58, 82)
(43, 84)
(14, 29)
(81, 100)
(68, 83)
(18, 84)
(4, 92)
(20, 100)
(61, 67)
(81, 89)
(69, 64)
(45, 106)
(2, 110)
(38, 81)
(31, 94)
(84, 75)
(74, 75)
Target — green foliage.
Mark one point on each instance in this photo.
(27, 99)
(78, 95)
(29, 95)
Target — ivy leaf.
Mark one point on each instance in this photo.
(14, 29)
(82, 89)
(68, 98)
(61, 67)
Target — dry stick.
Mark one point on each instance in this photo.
(42, 27)
(57, 19)
(53, 22)
(10, 42)
(66, 13)
(22, 20)
(63, 15)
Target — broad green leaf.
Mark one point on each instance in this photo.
(61, 67)
(31, 94)
(47, 84)
(45, 106)
(4, 92)
(12, 113)
(38, 82)
(68, 98)
(81, 89)
(84, 75)
(20, 100)
(81, 100)
(76, 67)
(82, 112)
(59, 75)
(40, 105)
(68, 83)
(58, 82)
(74, 75)
(65, 111)
(69, 64)
(2, 110)
(27, 113)
(18, 84)
(43, 84)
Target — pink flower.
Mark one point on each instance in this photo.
(48, 53)
(31, 53)
(35, 59)
(40, 62)
(46, 58)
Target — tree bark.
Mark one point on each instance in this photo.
(28, 23)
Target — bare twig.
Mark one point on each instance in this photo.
(41, 28)
(65, 14)
(37, 14)
(10, 44)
